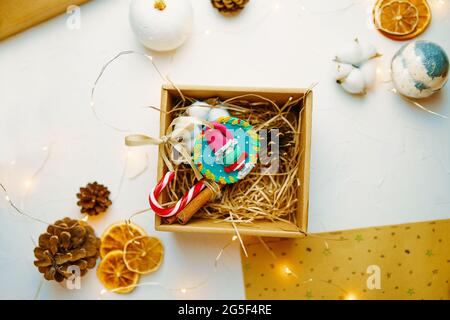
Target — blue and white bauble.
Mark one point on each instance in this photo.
(419, 69)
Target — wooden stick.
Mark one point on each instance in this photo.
(171, 219)
(196, 204)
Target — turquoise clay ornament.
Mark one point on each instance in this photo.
(419, 69)
(227, 151)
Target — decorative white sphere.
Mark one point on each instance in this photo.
(216, 113)
(419, 69)
(161, 25)
(199, 109)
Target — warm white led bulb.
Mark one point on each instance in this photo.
(287, 270)
(28, 183)
(350, 296)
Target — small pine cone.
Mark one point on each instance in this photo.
(229, 6)
(94, 199)
(67, 243)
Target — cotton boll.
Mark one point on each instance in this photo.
(190, 145)
(216, 113)
(350, 53)
(183, 123)
(194, 133)
(368, 50)
(354, 83)
(199, 110)
(368, 70)
(342, 70)
(355, 68)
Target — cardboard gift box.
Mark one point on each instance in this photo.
(169, 97)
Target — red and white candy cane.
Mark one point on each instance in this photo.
(180, 205)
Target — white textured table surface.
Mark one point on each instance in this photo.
(376, 160)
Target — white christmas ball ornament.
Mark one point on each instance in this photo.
(216, 113)
(161, 25)
(355, 69)
(419, 69)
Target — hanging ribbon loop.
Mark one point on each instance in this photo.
(174, 135)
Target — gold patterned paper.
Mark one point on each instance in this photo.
(409, 261)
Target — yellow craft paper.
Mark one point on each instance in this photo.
(413, 261)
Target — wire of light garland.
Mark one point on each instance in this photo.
(418, 104)
(100, 75)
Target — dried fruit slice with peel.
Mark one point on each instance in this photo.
(114, 274)
(117, 235)
(143, 254)
(424, 13)
(398, 17)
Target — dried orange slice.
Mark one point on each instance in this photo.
(143, 254)
(424, 14)
(398, 17)
(114, 274)
(117, 235)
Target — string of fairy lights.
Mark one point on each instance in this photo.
(441, 7)
(182, 289)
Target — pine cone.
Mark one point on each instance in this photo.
(66, 243)
(94, 199)
(229, 6)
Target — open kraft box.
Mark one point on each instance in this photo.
(169, 97)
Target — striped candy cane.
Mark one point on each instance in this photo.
(180, 205)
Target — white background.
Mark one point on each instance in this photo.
(376, 160)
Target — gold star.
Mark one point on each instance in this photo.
(326, 252)
(359, 238)
(429, 253)
(388, 275)
(308, 295)
(410, 291)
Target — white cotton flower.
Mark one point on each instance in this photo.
(355, 69)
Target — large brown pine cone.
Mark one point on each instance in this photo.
(94, 199)
(66, 243)
(229, 6)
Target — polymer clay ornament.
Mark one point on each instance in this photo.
(355, 68)
(224, 152)
(227, 152)
(419, 69)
